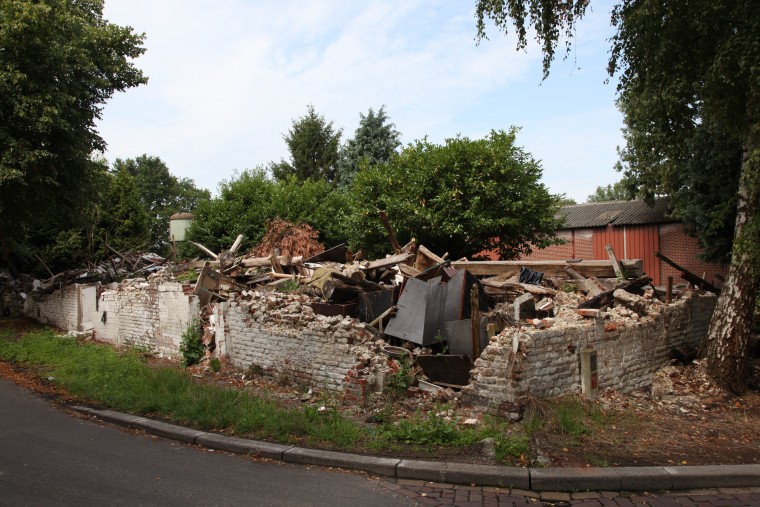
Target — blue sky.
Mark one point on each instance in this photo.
(228, 77)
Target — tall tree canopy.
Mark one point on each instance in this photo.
(618, 191)
(161, 194)
(688, 73)
(59, 63)
(462, 197)
(313, 144)
(375, 141)
(249, 199)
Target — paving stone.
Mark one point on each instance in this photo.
(591, 502)
(555, 496)
(585, 495)
(525, 493)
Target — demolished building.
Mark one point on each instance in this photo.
(495, 332)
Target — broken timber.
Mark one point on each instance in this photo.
(689, 276)
(607, 297)
(592, 268)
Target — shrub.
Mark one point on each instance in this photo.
(191, 347)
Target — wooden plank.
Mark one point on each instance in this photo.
(388, 261)
(261, 262)
(615, 264)
(426, 259)
(590, 285)
(689, 276)
(408, 270)
(587, 268)
(475, 319)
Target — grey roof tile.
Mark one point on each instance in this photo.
(600, 214)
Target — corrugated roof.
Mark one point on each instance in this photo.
(601, 214)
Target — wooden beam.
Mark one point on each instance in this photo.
(388, 261)
(615, 264)
(261, 262)
(597, 268)
(689, 276)
(475, 319)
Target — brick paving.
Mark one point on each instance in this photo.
(437, 494)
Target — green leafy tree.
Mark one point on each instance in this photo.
(375, 141)
(313, 144)
(124, 224)
(687, 69)
(462, 197)
(60, 61)
(161, 194)
(247, 201)
(618, 191)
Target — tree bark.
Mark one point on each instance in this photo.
(731, 323)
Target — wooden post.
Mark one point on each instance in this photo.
(615, 264)
(669, 290)
(475, 317)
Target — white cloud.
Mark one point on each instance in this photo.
(227, 78)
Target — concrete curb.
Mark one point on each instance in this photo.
(532, 479)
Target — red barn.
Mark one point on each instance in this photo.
(636, 231)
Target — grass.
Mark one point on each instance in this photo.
(123, 380)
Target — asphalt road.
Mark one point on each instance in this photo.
(50, 458)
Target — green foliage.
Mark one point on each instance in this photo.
(124, 221)
(619, 191)
(548, 19)
(425, 429)
(123, 381)
(60, 61)
(247, 201)
(401, 380)
(375, 142)
(462, 197)
(215, 364)
(313, 146)
(191, 347)
(161, 194)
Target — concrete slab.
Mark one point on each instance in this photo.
(242, 445)
(644, 479)
(574, 479)
(167, 430)
(382, 466)
(433, 471)
(714, 476)
(119, 418)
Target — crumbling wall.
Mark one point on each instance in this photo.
(544, 363)
(145, 313)
(281, 335)
(59, 309)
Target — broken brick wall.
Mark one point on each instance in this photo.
(143, 313)
(546, 363)
(59, 309)
(281, 335)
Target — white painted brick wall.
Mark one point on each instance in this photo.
(547, 363)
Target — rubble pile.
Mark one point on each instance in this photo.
(443, 312)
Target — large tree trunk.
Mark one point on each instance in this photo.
(731, 323)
